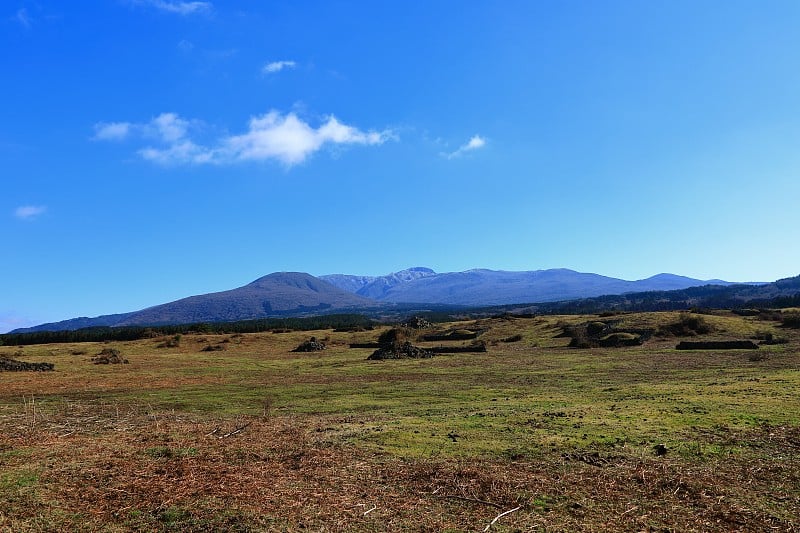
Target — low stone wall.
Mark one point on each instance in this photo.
(12, 365)
(717, 345)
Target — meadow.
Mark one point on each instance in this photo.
(239, 433)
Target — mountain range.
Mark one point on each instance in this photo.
(295, 294)
(283, 294)
(481, 287)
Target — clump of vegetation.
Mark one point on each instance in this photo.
(396, 335)
(687, 325)
(512, 338)
(768, 338)
(172, 342)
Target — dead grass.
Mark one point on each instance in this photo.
(258, 438)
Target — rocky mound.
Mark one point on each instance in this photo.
(399, 350)
(109, 356)
(12, 365)
(311, 345)
(416, 322)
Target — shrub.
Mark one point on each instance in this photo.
(395, 335)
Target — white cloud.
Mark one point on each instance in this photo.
(169, 127)
(474, 143)
(290, 140)
(273, 136)
(181, 8)
(29, 212)
(111, 131)
(24, 18)
(277, 66)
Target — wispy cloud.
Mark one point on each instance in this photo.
(111, 131)
(277, 66)
(29, 212)
(23, 18)
(285, 138)
(166, 127)
(180, 8)
(475, 143)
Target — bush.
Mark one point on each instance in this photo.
(395, 335)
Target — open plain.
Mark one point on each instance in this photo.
(239, 433)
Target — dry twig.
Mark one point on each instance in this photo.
(501, 515)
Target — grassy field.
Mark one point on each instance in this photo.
(255, 437)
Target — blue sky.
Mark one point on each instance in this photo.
(154, 149)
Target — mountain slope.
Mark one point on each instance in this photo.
(376, 286)
(278, 294)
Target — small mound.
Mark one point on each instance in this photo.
(109, 356)
(620, 339)
(311, 345)
(399, 350)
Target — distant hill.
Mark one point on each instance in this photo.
(482, 287)
(779, 294)
(278, 294)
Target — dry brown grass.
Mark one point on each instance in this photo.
(330, 442)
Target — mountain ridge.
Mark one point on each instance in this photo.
(284, 294)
